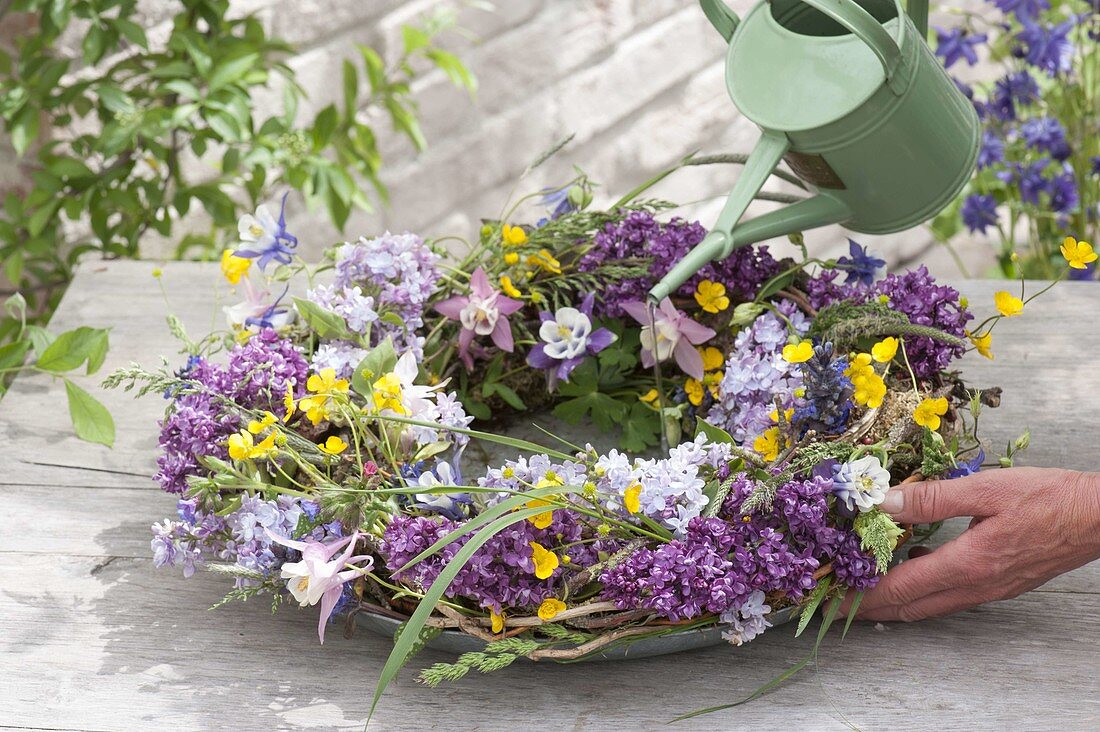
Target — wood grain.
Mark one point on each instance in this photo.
(93, 638)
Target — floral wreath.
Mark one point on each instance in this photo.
(315, 447)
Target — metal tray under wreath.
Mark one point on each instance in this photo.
(457, 642)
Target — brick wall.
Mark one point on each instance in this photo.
(639, 83)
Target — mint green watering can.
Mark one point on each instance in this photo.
(848, 93)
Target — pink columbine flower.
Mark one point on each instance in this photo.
(670, 333)
(319, 577)
(483, 312)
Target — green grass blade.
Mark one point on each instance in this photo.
(403, 646)
(852, 613)
(477, 434)
(811, 607)
(489, 515)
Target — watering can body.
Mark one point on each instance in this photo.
(850, 96)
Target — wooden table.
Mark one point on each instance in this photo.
(92, 637)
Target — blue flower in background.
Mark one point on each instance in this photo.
(979, 212)
(860, 266)
(1029, 179)
(1047, 46)
(1088, 273)
(1063, 192)
(1046, 133)
(968, 467)
(958, 43)
(557, 202)
(1018, 89)
(1022, 9)
(992, 150)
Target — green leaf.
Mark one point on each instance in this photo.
(351, 89)
(326, 323)
(852, 609)
(71, 349)
(324, 125)
(12, 354)
(91, 420)
(642, 429)
(714, 434)
(379, 360)
(40, 338)
(507, 394)
(131, 31)
(232, 70)
(24, 129)
(98, 353)
(605, 411)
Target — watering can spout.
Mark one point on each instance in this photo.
(726, 235)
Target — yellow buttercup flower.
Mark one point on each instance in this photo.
(1008, 304)
(288, 403)
(711, 296)
(694, 390)
(632, 498)
(870, 390)
(550, 608)
(387, 394)
(158, 272)
(545, 560)
(650, 397)
(928, 412)
(799, 353)
(511, 258)
(545, 261)
(712, 358)
(234, 267)
(885, 350)
(333, 446)
(540, 520)
(240, 445)
(508, 288)
(497, 619)
(712, 381)
(1079, 254)
(513, 236)
(258, 426)
(787, 414)
(767, 444)
(326, 382)
(982, 344)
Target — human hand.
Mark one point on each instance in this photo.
(1029, 525)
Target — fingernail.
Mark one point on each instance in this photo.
(894, 502)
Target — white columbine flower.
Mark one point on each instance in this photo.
(566, 336)
(259, 230)
(480, 314)
(861, 483)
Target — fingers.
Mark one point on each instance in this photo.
(936, 500)
(936, 605)
(909, 582)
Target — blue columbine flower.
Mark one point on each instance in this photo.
(1022, 9)
(266, 238)
(958, 43)
(979, 212)
(1028, 179)
(1063, 192)
(1046, 133)
(272, 317)
(557, 201)
(1047, 46)
(968, 467)
(860, 266)
(1010, 91)
(992, 150)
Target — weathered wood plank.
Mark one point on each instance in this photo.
(128, 647)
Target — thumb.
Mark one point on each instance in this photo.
(936, 500)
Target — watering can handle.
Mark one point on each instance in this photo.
(865, 27)
(724, 20)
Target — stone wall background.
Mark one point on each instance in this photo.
(638, 82)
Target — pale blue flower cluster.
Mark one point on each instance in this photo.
(756, 373)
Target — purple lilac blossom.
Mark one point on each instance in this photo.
(755, 373)
(915, 294)
(640, 235)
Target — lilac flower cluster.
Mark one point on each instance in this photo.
(501, 574)
(915, 294)
(756, 373)
(639, 235)
(392, 274)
